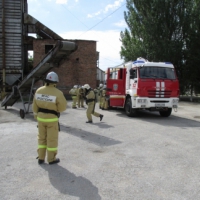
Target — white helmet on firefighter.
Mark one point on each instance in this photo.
(100, 85)
(52, 77)
(86, 86)
(75, 86)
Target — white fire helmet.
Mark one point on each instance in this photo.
(86, 86)
(100, 85)
(75, 86)
(52, 77)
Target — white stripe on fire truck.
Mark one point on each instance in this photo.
(162, 89)
(157, 89)
(117, 97)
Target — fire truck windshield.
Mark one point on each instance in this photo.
(157, 73)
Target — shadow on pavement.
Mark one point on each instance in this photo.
(154, 117)
(172, 121)
(146, 116)
(88, 136)
(68, 183)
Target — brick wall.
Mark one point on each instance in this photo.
(78, 69)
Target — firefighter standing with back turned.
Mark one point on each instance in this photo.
(48, 102)
(105, 101)
(80, 97)
(74, 93)
(90, 100)
(100, 95)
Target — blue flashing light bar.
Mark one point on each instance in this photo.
(138, 61)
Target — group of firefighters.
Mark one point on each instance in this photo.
(78, 94)
(49, 102)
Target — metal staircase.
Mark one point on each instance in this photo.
(61, 50)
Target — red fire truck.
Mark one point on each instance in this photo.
(143, 85)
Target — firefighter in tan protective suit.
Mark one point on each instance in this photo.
(105, 101)
(101, 98)
(90, 100)
(74, 94)
(81, 94)
(48, 102)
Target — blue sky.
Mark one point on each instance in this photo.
(99, 20)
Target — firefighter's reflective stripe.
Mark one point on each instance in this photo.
(52, 149)
(47, 120)
(42, 146)
(74, 97)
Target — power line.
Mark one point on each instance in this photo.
(108, 59)
(103, 19)
(75, 17)
(95, 24)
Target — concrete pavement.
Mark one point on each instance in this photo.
(120, 158)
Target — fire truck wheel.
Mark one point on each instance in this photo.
(166, 113)
(128, 108)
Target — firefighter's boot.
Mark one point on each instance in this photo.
(101, 117)
(57, 160)
(89, 122)
(40, 161)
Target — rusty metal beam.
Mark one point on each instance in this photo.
(34, 26)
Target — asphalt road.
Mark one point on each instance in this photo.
(120, 158)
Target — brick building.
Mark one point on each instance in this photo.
(78, 69)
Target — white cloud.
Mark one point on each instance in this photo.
(108, 45)
(89, 16)
(61, 1)
(113, 6)
(95, 14)
(121, 23)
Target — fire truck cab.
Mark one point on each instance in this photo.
(143, 85)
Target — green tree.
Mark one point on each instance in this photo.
(160, 30)
(191, 69)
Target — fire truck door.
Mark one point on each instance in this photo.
(116, 88)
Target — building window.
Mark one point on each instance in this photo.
(48, 48)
